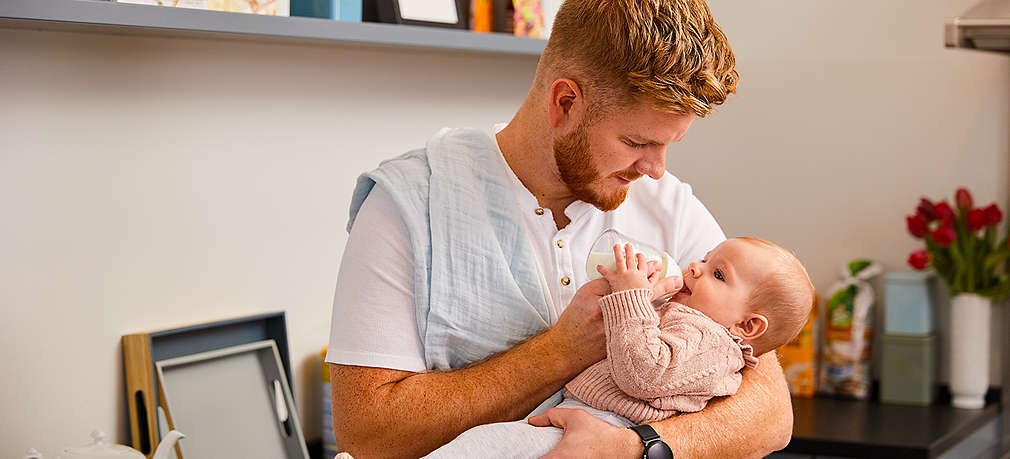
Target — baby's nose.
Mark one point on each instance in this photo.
(692, 271)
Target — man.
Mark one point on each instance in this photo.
(456, 301)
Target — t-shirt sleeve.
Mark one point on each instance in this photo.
(373, 321)
(699, 232)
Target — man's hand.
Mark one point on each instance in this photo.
(588, 437)
(579, 330)
(666, 287)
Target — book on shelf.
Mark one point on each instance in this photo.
(340, 10)
(264, 7)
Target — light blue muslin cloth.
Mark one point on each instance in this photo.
(477, 288)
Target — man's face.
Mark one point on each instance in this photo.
(597, 162)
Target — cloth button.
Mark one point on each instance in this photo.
(539, 211)
(565, 281)
(561, 244)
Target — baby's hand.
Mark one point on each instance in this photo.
(631, 270)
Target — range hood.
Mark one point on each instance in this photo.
(986, 26)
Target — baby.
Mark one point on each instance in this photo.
(747, 297)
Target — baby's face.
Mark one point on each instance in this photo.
(721, 283)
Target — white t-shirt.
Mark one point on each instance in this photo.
(373, 320)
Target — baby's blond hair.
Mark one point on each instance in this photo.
(784, 295)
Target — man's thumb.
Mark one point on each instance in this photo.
(557, 417)
(669, 284)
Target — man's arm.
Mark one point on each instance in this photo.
(725, 428)
(390, 413)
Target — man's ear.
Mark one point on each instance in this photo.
(565, 105)
(752, 327)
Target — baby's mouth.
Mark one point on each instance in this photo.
(684, 291)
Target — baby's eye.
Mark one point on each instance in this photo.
(718, 275)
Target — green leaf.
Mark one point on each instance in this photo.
(995, 258)
(999, 291)
(957, 284)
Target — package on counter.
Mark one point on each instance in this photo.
(329, 440)
(848, 332)
(799, 358)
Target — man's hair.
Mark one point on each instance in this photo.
(784, 295)
(669, 53)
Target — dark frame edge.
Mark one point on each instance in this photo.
(462, 16)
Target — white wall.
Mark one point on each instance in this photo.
(847, 113)
(151, 182)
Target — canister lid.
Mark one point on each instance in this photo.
(914, 276)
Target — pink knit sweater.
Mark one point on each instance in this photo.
(660, 361)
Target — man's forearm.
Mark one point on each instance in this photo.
(755, 421)
(388, 413)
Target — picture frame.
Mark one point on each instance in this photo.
(452, 14)
(141, 350)
(232, 402)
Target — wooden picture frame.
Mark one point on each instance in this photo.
(430, 13)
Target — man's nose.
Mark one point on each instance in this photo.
(653, 163)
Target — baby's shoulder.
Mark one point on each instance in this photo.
(673, 314)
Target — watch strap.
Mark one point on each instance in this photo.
(646, 433)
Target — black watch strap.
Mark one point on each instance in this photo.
(655, 447)
(646, 432)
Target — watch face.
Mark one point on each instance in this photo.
(658, 450)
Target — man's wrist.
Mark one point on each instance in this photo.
(557, 347)
(632, 443)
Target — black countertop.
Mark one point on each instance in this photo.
(824, 426)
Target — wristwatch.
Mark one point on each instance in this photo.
(655, 447)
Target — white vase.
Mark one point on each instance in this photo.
(969, 350)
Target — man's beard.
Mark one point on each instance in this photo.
(571, 153)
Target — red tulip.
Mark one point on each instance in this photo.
(944, 236)
(917, 225)
(942, 211)
(993, 215)
(976, 220)
(919, 259)
(963, 199)
(925, 209)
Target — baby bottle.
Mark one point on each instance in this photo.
(602, 253)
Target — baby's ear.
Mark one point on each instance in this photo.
(751, 327)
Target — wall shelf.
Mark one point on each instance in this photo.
(103, 16)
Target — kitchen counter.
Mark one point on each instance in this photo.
(848, 428)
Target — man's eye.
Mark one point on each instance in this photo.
(635, 145)
(718, 275)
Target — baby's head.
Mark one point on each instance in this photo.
(753, 287)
